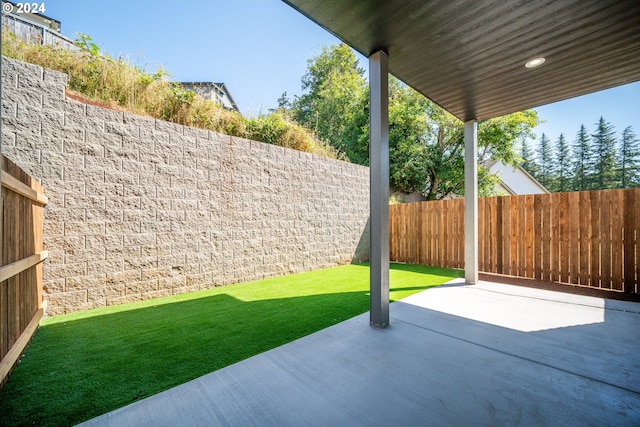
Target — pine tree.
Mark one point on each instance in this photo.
(604, 148)
(545, 161)
(582, 157)
(528, 160)
(629, 170)
(562, 166)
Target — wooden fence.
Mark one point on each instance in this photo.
(21, 305)
(587, 238)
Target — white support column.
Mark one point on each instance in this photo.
(471, 202)
(379, 189)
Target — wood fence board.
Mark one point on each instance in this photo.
(412, 222)
(529, 237)
(482, 235)
(521, 236)
(440, 232)
(513, 227)
(636, 215)
(629, 247)
(495, 234)
(410, 231)
(573, 238)
(563, 236)
(537, 236)
(553, 237)
(617, 230)
(499, 236)
(455, 237)
(585, 238)
(595, 239)
(506, 235)
(450, 231)
(460, 233)
(4, 330)
(605, 239)
(392, 233)
(489, 209)
(546, 237)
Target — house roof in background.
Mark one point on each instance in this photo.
(221, 90)
(515, 180)
(37, 18)
(469, 57)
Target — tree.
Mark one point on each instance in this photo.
(582, 160)
(629, 170)
(528, 160)
(561, 166)
(426, 144)
(545, 159)
(604, 148)
(334, 85)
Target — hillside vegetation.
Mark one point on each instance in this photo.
(118, 84)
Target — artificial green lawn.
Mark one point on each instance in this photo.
(88, 363)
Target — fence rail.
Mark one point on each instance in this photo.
(21, 305)
(588, 238)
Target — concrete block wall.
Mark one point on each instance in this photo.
(142, 208)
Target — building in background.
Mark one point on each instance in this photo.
(515, 181)
(34, 27)
(216, 92)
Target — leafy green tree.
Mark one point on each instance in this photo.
(604, 148)
(426, 144)
(582, 155)
(629, 170)
(562, 166)
(334, 85)
(545, 161)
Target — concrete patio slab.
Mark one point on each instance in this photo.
(488, 354)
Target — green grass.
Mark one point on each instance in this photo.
(85, 364)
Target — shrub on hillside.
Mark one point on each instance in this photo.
(119, 84)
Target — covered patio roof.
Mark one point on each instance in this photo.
(469, 56)
(474, 58)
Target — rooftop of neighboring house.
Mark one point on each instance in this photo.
(515, 180)
(36, 18)
(217, 92)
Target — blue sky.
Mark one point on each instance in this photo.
(260, 48)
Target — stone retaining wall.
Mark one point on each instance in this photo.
(141, 208)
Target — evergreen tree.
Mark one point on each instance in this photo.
(562, 166)
(629, 171)
(528, 160)
(604, 147)
(582, 160)
(545, 161)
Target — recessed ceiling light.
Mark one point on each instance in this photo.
(535, 62)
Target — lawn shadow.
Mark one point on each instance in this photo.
(100, 363)
(82, 368)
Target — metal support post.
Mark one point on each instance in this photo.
(379, 189)
(471, 202)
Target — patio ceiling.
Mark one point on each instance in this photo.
(469, 56)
